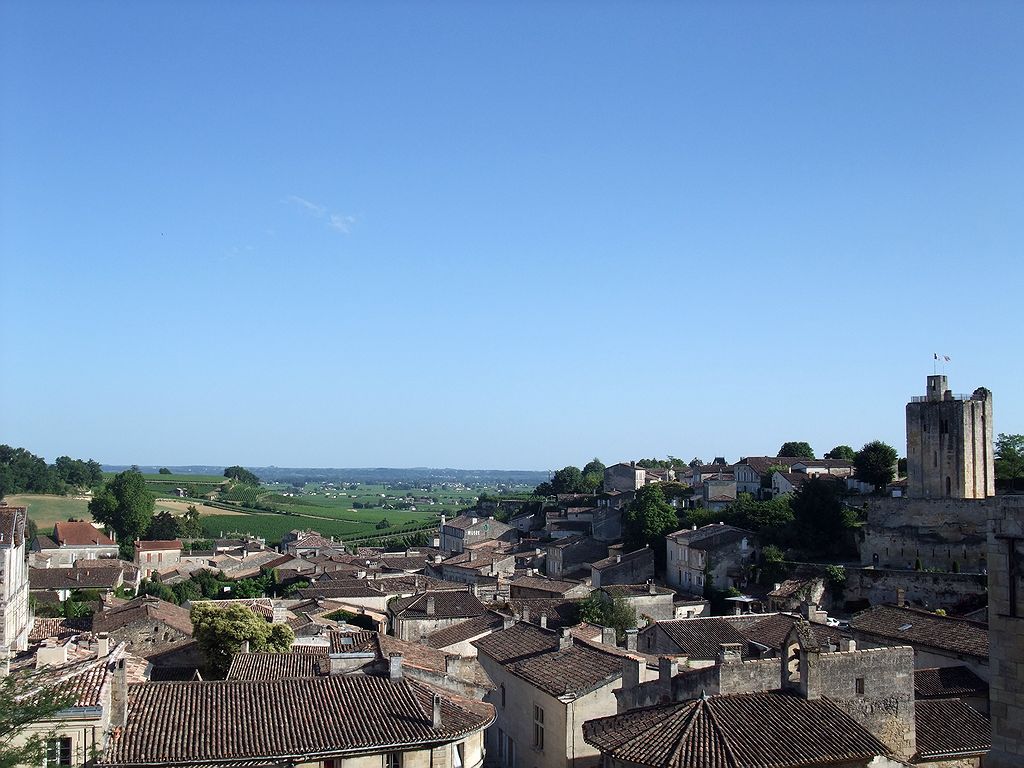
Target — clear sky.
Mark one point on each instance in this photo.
(502, 235)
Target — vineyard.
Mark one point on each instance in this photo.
(246, 495)
(272, 527)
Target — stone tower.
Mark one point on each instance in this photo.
(949, 444)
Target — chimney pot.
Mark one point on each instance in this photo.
(544, 621)
(102, 645)
(901, 597)
(565, 639)
(631, 636)
(436, 719)
(666, 669)
(430, 605)
(395, 667)
(608, 636)
(119, 696)
(507, 622)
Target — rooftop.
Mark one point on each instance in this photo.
(946, 682)
(909, 626)
(447, 604)
(949, 728)
(12, 526)
(79, 534)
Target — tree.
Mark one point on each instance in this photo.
(593, 476)
(221, 632)
(647, 519)
(795, 449)
(241, 475)
(25, 699)
(875, 463)
(162, 527)
(125, 505)
(841, 452)
(164, 471)
(1010, 458)
(567, 480)
(821, 518)
(616, 613)
(189, 525)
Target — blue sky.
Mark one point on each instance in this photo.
(503, 235)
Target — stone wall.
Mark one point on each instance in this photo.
(928, 590)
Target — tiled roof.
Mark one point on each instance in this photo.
(331, 589)
(533, 654)
(710, 536)
(464, 630)
(44, 628)
(766, 730)
(699, 638)
(448, 604)
(790, 587)
(908, 626)
(275, 666)
(945, 682)
(74, 578)
(79, 534)
(761, 464)
(12, 526)
(559, 611)
(293, 720)
(608, 562)
(153, 545)
(635, 590)
(143, 609)
(772, 630)
(553, 586)
(948, 727)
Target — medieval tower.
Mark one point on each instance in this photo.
(949, 444)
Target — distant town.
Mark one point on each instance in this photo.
(858, 609)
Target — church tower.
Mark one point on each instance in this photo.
(949, 444)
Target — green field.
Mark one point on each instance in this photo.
(272, 527)
(46, 510)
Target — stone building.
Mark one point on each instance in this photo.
(459, 532)
(635, 567)
(719, 552)
(15, 615)
(72, 541)
(624, 477)
(424, 614)
(572, 556)
(949, 443)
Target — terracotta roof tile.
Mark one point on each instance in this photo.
(948, 727)
(699, 638)
(946, 682)
(79, 534)
(12, 526)
(143, 608)
(908, 626)
(275, 666)
(448, 604)
(74, 578)
(465, 630)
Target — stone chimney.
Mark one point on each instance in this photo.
(526, 614)
(730, 653)
(651, 588)
(280, 613)
(119, 695)
(618, 558)
(102, 645)
(901, 597)
(608, 636)
(631, 667)
(565, 639)
(544, 621)
(436, 715)
(507, 622)
(437, 559)
(631, 635)
(444, 519)
(394, 667)
(666, 671)
(245, 647)
(474, 520)
(430, 605)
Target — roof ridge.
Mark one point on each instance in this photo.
(730, 753)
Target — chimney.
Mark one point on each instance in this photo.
(608, 636)
(280, 614)
(526, 615)
(472, 555)
(631, 672)
(430, 605)
(245, 647)
(565, 639)
(444, 519)
(666, 671)
(507, 622)
(543, 621)
(618, 558)
(651, 589)
(102, 645)
(119, 696)
(631, 638)
(901, 597)
(730, 653)
(437, 558)
(473, 520)
(436, 719)
(847, 644)
(394, 667)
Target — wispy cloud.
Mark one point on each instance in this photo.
(339, 222)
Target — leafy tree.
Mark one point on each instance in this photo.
(23, 472)
(593, 476)
(241, 475)
(796, 449)
(1010, 458)
(385, 523)
(162, 527)
(616, 613)
(822, 521)
(770, 519)
(875, 463)
(164, 471)
(544, 489)
(568, 480)
(221, 631)
(189, 525)
(841, 452)
(125, 505)
(184, 591)
(647, 519)
(26, 699)
(773, 567)
(155, 588)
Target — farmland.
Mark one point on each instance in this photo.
(46, 510)
(272, 527)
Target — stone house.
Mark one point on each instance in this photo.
(62, 582)
(464, 530)
(309, 543)
(720, 553)
(421, 615)
(529, 586)
(566, 557)
(547, 684)
(327, 721)
(784, 483)
(651, 602)
(635, 567)
(71, 542)
(624, 477)
(152, 556)
(152, 629)
(15, 614)
(474, 565)
(815, 467)
(458, 638)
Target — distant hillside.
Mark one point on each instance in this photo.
(374, 475)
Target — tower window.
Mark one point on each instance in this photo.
(858, 685)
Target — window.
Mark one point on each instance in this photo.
(510, 753)
(538, 727)
(58, 751)
(502, 695)
(392, 760)
(458, 755)
(858, 685)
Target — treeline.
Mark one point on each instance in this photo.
(21, 471)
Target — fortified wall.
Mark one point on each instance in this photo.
(927, 589)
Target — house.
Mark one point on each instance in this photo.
(814, 467)
(651, 602)
(572, 555)
(624, 477)
(152, 556)
(461, 531)
(423, 614)
(152, 629)
(789, 594)
(547, 683)
(528, 586)
(477, 565)
(788, 482)
(305, 543)
(631, 568)
(717, 552)
(718, 492)
(72, 541)
(322, 721)
(753, 473)
(15, 615)
(458, 638)
(62, 582)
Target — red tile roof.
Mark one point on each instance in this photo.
(79, 534)
(950, 728)
(946, 682)
(908, 626)
(158, 544)
(12, 526)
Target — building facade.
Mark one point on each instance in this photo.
(15, 615)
